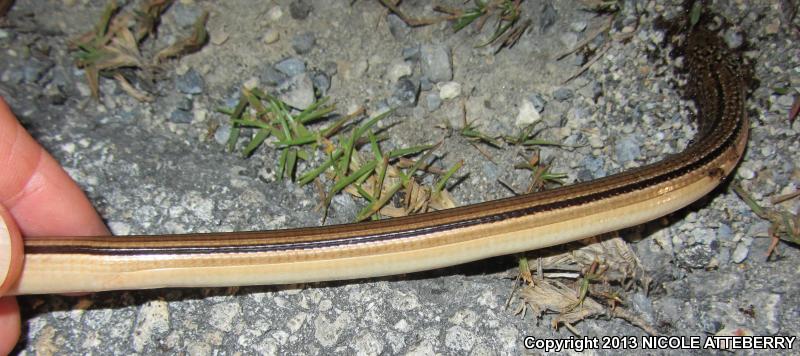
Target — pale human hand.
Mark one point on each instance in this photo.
(37, 198)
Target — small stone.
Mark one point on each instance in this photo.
(745, 173)
(251, 83)
(190, 83)
(578, 26)
(563, 94)
(321, 80)
(218, 38)
(405, 94)
(595, 167)
(275, 13)
(538, 102)
(297, 92)
(724, 232)
(596, 142)
(548, 16)
(304, 42)
(35, 69)
(627, 149)
(527, 115)
(399, 70)
(435, 63)
(397, 27)
(433, 101)
(222, 134)
(569, 39)
(223, 316)
(291, 66)
(449, 90)
(181, 117)
(786, 101)
(272, 76)
(411, 53)
(733, 39)
(773, 27)
(330, 67)
(83, 89)
(185, 16)
(299, 9)
(425, 83)
(740, 253)
(271, 36)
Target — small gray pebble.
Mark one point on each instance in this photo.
(190, 83)
(185, 104)
(595, 167)
(435, 63)
(578, 26)
(299, 9)
(724, 232)
(627, 149)
(696, 256)
(740, 253)
(55, 95)
(425, 83)
(433, 101)
(548, 16)
(330, 67)
(297, 92)
(291, 66)
(304, 42)
(222, 134)
(321, 80)
(411, 53)
(185, 15)
(181, 117)
(405, 93)
(724, 255)
(35, 69)
(562, 94)
(271, 76)
(397, 27)
(538, 102)
(733, 39)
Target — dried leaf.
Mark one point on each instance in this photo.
(190, 44)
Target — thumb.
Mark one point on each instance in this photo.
(10, 267)
(11, 253)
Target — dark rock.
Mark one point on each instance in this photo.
(405, 93)
(299, 9)
(190, 83)
(304, 42)
(181, 117)
(291, 66)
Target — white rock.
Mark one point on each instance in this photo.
(740, 253)
(449, 90)
(527, 114)
(275, 13)
(398, 70)
(271, 36)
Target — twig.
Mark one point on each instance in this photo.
(413, 22)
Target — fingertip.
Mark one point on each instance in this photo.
(11, 251)
(9, 324)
